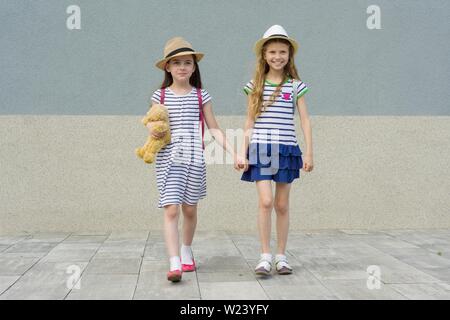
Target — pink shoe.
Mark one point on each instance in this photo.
(188, 267)
(174, 276)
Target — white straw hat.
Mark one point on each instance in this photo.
(274, 32)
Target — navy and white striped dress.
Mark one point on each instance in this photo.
(180, 166)
(274, 153)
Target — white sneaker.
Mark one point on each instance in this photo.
(264, 266)
(281, 264)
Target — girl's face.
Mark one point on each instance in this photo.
(277, 55)
(181, 67)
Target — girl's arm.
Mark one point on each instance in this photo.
(248, 129)
(215, 130)
(307, 132)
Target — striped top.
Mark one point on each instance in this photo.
(276, 123)
(183, 111)
(180, 165)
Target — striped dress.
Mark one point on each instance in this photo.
(274, 153)
(180, 166)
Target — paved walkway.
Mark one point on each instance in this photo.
(340, 264)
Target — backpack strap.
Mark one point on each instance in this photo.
(295, 84)
(201, 117)
(163, 95)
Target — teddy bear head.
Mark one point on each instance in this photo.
(158, 112)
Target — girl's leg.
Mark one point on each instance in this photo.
(189, 223)
(171, 216)
(265, 206)
(282, 209)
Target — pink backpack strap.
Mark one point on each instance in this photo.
(163, 95)
(202, 120)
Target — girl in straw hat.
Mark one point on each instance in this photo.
(270, 150)
(180, 166)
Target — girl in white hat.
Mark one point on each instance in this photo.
(270, 145)
(180, 166)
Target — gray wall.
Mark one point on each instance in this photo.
(107, 66)
(71, 103)
(79, 173)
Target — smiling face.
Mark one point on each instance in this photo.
(276, 54)
(181, 68)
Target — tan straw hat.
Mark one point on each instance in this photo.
(176, 47)
(274, 32)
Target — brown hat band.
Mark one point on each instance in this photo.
(174, 52)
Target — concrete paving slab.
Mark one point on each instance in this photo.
(6, 282)
(249, 246)
(10, 240)
(221, 263)
(123, 246)
(129, 235)
(395, 271)
(215, 247)
(47, 281)
(386, 242)
(105, 287)
(422, 239)
(419, 258)
(155, 249)
(36, 249)
(15, 266)
(296, 292)
(91, 233)
(69, 255)
(359, 290)
(443, 274)
(133, 265)
(241, 290)
(118, 255)
(86, 239)
(422, 291)
(114, 266)
(49, 237)
(154, 285)
(226, 276)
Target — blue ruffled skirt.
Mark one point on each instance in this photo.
(277, 162)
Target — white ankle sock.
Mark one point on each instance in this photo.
(175, 263)
(279, 257)
(186, 254)
(266, 256)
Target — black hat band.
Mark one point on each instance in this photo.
(174, 52)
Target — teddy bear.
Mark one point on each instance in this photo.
(159, 117)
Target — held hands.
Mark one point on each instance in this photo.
(240, 163)
(308, 164)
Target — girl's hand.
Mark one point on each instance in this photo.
(241, 163)
(153, 133)
(308, 164)
(157, 135)
(236, 162)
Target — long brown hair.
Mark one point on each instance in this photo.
(257, 106)
(195, 79)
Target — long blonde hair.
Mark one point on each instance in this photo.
(257, 105)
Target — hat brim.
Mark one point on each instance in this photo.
(162, 63)
(260, 43)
